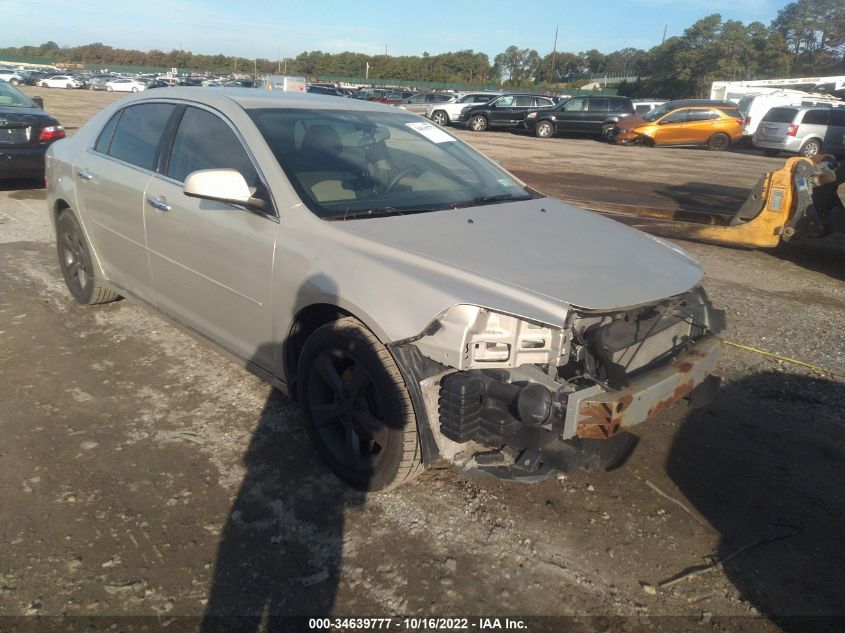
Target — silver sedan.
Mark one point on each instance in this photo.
(418, 300)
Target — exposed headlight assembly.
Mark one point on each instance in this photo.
(470, 337)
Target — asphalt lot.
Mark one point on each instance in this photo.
(143, 474)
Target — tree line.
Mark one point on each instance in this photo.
(807, 37)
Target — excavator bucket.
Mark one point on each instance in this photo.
(799, 200)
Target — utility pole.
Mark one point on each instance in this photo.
(278, 60)
(367, 71)
(554, 56)
(665, 26)
(255, 67)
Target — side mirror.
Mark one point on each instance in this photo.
(222, 185)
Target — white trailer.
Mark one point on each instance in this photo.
(736, 90)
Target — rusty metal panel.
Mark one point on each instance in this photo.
(599, 414)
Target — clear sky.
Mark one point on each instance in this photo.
(263, 28)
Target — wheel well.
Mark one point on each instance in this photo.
(60, 206)
(305, 324)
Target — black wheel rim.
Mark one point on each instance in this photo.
(74, 262)
(718, 142)
(347, 410)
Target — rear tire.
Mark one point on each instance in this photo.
(718, 142)
(544, 129)
(440, 117)
(811, 148)
(356, 407)
(69, 86)
(76, 263)
(478, 123)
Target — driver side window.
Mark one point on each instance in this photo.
(678, 116)
(205, 141)
(574, 105)
(504, 102)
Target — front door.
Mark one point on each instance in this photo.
(672, 129)
(211, 262)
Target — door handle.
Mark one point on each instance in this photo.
(159, 204)
(85, 174)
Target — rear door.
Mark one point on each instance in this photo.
(594, 115)
(110, 178)
(211, 261)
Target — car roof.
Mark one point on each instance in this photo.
(689, 103)
(252, 98)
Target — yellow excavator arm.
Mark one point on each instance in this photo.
(799, 200)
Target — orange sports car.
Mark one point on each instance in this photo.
(687, 123)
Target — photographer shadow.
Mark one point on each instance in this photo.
(764, 465)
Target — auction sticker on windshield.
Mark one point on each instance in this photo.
(431, 132)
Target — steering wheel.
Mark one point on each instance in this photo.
(410, 169)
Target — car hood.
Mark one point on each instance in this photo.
(543, 247)
(630, 122)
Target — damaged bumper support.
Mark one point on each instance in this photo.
(513, 425)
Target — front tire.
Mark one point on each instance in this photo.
(109, 89)
(356, 407)
(478, 123)
(544, 129)
(69, 86)
(134, 90)
(607, 131)
(440, 117)
(76, 264)
(14, 82)
(719, 142)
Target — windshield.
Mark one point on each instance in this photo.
(653, 115)
(347, 164)
(11, 97)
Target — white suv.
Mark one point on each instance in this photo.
(10, 76)
(445, 113)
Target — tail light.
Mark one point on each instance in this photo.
(793, 130)
(51, 133)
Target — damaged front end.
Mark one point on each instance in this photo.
(503, 396)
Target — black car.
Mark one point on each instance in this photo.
(590, 115)
(25, 133)
(32, 78)
(506, 111)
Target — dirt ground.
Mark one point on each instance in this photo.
(143, 474)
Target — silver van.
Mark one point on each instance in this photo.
(805, 131)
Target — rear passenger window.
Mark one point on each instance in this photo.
(205, 141)
(816, 117)
(524, 102)
(104, 140)
(597, 105)
(619, 105)
(138, 133)
(701, 115)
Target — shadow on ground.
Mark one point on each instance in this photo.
(766, 461)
